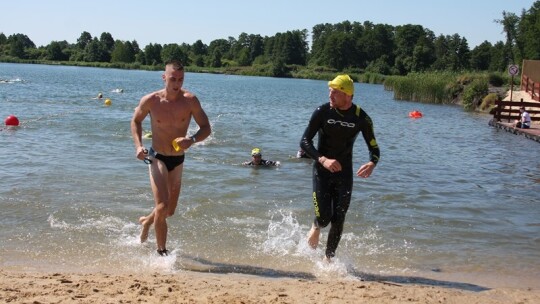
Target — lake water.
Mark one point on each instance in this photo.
(451, 201)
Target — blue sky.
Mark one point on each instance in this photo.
(170, 21)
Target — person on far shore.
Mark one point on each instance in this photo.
(337, 124)
(525, 119)
(256, 160)
(171, 110)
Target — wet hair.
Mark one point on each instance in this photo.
(175, 64)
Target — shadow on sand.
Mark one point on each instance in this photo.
(203, 265)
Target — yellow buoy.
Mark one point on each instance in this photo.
(175, 145)
(108, 102)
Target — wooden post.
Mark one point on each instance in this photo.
(511, 87)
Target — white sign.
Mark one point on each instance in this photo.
(513, 70)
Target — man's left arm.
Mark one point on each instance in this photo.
(202, 121)
(374, 153)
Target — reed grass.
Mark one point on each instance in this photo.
(426, 87)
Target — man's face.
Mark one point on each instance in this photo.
(174, 79)
(337, 98)
(256, 158)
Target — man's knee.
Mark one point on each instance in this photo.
(161, 211)
(321, 222)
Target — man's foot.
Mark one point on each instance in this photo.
(145, 228)
(313, 237)
(163, 252)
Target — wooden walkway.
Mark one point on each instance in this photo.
(532, 133)
(507, 112)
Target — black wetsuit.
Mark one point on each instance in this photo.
(332, 191)
(264, 163)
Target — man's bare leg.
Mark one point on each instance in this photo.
(146, 222)
(160, 225)
(313, 236)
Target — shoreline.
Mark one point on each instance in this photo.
(198, 287)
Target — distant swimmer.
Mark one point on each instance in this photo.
(118, 90)
(256, 160)
(99, 96)
(301, 154)
(171, 110)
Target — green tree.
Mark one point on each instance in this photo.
(173, 52)
(152, 53)
(18, 44)
(135, 46)
(199, 48)
(406, 38)
(55, 51)
(107, 40)
(219, 45)
(499, 61)
(84, 40)
(17, 49)
(481, 56)
(95, 51)
(423, 53)
(509, 23)
(529, 32)
(377, 42)
(215, 59)
(337, 50)
(123, 52)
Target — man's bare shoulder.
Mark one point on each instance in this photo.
(188, 94)
(152, 96)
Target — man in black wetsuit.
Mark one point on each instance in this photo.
(337, 124)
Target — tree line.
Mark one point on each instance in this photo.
(345, 46)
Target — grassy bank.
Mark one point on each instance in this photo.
(472, 90)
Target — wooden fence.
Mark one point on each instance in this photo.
(531, 87)
(509, 110)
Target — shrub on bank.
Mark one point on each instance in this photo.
(488, 101)
(473, 93)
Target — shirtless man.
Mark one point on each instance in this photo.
(337, 124)
(171, 110)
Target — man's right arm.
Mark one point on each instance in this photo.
(139, 115)
(306, 143)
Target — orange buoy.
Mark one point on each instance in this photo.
(415, 114)
(11, 120)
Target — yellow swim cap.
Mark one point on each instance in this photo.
(255, 151)
(343, 83)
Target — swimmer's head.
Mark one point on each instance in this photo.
(343, 83)
(256, 152)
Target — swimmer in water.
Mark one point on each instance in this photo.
(256, 160)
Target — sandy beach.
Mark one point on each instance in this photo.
(194, 287)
